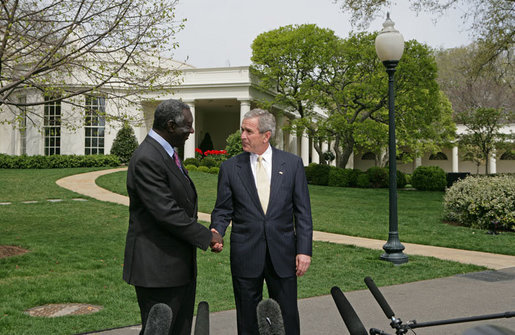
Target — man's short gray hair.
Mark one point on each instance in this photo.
(266, 120)
(169, 110)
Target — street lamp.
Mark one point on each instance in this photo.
(389, 48)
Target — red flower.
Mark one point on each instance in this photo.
(197, 150)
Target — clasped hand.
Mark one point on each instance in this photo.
(217, 241)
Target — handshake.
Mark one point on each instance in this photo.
(217, 241)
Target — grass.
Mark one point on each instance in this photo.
(76, 256)
(364, 213)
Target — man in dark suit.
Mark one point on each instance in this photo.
(160, 251)
(272, 230)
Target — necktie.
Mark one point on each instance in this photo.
(263, 184)
(177, 161)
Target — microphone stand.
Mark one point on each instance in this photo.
(401, 328)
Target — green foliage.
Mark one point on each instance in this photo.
(484, 202)
(234, 147)
(429, 178)
(483, 132)
(125, 143)
(203, 168)
(191, 167)
(191, 161)
(363, 181)
(214, 170)
(209, 162)
(378, 177)
(339, 177)
(401, 179)
(57, 161)
(319, 174)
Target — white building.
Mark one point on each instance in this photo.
(218, 98)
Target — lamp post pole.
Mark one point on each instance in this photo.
(389, 47)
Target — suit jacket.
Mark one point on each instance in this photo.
(286, 229)
(163, 230)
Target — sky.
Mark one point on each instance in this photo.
(220, 33)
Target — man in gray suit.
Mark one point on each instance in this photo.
(163, 236)
(264, 193)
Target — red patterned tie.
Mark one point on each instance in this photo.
(177, 161)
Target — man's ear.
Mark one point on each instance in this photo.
(267, 136)
(170, 125)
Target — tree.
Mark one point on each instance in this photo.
(490, 22)
(125, 143)
(468, 90)
(348, 82)
(60, 49)
(483, 133)
(287, 60)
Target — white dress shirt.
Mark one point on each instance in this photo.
(266, 161)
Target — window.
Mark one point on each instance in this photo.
(94, 127)
(369, 156)
(52, 126)
(439, 156)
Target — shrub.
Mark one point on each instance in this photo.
(353, 176)
(408, 178)
(482, 202)
(57, 161)
(124, 143)
(208, 161)
(338, 177)
(429, 178)
(203, 168)
(191, 161)
(214, 170)
(401, 179)
(362, 180)
(320, 174)
(190, 167)
(233, 141)
(378, 177)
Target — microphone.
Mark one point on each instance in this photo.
(202, 321)
(348, 314)
(379, 298)
(159, 320)
(269, 318)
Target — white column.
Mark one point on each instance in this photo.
(304, 149)
(325, 147)
(293, 147)
(189, 146)
(244, 108)
(279, 134)
(314, 154)
(493, 162)
(333, 162)
(455, 159)
(350, 162)
(418, 162)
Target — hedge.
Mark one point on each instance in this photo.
(57, 161)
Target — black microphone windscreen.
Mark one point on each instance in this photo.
(379, 297)
(269, 317)
(159, 320)
(202, 321)
(349, 316)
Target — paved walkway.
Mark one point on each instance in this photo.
(457, 296)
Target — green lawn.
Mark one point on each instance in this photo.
(364, 213)
(76, 256)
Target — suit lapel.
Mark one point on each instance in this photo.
(277, 175)
(246, 177)
(174, 169)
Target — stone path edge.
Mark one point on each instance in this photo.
(84, 184)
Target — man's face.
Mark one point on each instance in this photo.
(251, 139)
(179, 133)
